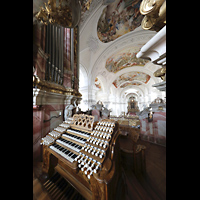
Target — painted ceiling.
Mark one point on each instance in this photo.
(118, 18)
(123, 59)
(131, 76)
(126, 84)
(97, 83)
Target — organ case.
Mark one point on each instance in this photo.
(95, 170)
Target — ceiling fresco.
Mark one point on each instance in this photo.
(129, 84)
(97, 83)
(131, 76)
(123, 59)
(119, 18)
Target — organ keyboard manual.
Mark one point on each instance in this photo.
(86, 154)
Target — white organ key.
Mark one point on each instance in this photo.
(54, 134)
(68, 145)
(47, 140)
(70, 137)
(64, 125)
(61, 153)
(60, 129)
(78, 132)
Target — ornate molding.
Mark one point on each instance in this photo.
(50, 87)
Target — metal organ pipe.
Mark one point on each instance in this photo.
(55, 53)
(54, 48)
(58, 70)
(62, 51)
(50, 52)
(72, 56)
(47, 51)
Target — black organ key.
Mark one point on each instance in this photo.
(74, 156)
(69, 144)
(70, 154)
(63, 152)
(80, 147)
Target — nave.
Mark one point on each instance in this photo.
(152, 186)
(99, 99)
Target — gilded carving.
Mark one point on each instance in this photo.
(51, 87)
(65, 13)
(155, 14)
(160, 73)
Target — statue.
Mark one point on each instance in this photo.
(105, 112)
(68, 111)
(100, 112)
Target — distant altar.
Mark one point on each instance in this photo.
(132, 106)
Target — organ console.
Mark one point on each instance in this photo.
(87, 155)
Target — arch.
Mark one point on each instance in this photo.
(133, 69)
(130, 95)
(135, 81)
(83, 76)
(142, 93)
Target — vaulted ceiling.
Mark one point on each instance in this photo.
(110, 36)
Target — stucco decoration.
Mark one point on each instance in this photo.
(131, 76)
(118, 18)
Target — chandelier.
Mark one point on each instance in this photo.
(65, 13)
